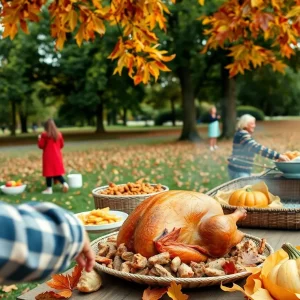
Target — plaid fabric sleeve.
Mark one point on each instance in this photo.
(251, 145)
(36, 240)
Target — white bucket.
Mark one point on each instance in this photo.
(75, 180)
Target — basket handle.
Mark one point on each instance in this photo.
(72, 170)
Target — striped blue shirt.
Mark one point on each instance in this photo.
(245, 148)
(36, 240)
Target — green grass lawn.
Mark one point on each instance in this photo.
(183, 165)
(177, 165)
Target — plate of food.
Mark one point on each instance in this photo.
(102, 220)
(180, 236)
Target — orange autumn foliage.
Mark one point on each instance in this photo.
(173, 291)
(239, 25)
(137, 47)
(65, 284)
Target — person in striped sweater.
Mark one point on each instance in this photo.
(245, 147)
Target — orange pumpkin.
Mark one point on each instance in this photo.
(248, 197)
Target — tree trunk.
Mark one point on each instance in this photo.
(173, 112)
(23, 120)
(100, 119)
(13, 118)
(189, 130)
(125, 116)
(228, 103)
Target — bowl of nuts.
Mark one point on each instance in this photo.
(125, 197)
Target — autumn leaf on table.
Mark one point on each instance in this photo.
(175, 293)
(64, 284)
(154, 293)
(50, 295)
(229, 268)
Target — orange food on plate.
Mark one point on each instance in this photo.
(99, 217)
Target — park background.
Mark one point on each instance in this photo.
(116, 131)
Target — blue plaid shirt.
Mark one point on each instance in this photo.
(36, 240)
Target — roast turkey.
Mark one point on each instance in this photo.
(187, 224)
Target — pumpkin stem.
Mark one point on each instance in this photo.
(291, 251)
(249, 189)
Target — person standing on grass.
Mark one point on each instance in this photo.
(245, 147)
(51, 141)
(213, 128)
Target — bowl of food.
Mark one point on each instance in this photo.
(290, 169)
(102, 220)
(13, 187)
(125, 197)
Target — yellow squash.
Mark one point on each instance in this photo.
(286, 274)
(248, 197)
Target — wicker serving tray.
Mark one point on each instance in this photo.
(288, 190)
(185, 282)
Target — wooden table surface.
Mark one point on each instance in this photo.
(116, 289)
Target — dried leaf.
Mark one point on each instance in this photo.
(154, 293)
(250, 259)
(229, 268)
(59, 282)
(9, 288)
(49, 296)
(174, 292)
(65, 283)
(74, 278)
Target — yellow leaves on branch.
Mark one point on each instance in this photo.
(136, 48)
(239, 25)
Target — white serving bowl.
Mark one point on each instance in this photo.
(106, 227)
(13, 190)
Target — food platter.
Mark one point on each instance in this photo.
(105, 227)
(166, 281)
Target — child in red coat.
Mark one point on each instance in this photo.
(51, 141)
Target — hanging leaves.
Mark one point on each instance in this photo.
(239, 25)
(136, 48)
(65, 284)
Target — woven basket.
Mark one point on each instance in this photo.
(288, 190)
(126, 203)
(166, 281)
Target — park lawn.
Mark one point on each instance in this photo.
(179, 165)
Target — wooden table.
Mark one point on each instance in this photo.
(117, 289)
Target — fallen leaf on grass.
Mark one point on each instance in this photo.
(25, 291)
(9, 288)
(175, 293)
(154, 294)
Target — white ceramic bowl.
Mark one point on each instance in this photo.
(106, 227)
(13, 190)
